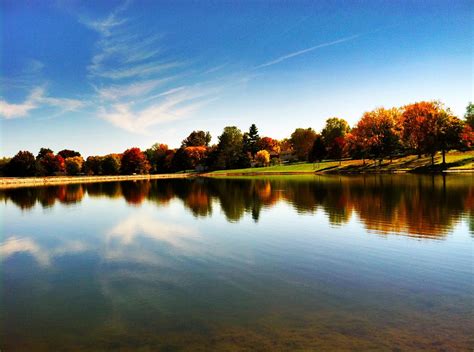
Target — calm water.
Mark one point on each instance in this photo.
(283, 263)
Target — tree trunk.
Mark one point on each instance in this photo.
(432, 159)
(444, 156)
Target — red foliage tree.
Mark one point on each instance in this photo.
(134, 162)
(195, 155)
(270, 145)
(52, 164)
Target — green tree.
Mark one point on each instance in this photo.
(302, 140)
(251, 140)
(333, 135)
(157, 155)
(43, 152)
(318, 152)
(3, 166)
(446, 132)
(469, 115)
(93, 165)
(22, 164)
(229, 149)
(67, 153)
(110, 164)
(197, 139)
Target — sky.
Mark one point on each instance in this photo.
(103, 76)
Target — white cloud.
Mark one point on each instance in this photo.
(10, 111)
(37, 99)
(121, 53)
(127, 69)
(115, 92)
(171, 109)
(143, 225)
(15, 245)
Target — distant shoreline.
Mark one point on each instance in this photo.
(12, 182)
(458, 163)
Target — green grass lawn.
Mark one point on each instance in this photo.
(454, 161)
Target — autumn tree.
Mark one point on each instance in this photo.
(356, 145)
(415, 119)
(272, 146)
(262, 157)
(74, 165)
(196, 155)
(110, 164)
(333, 135)
(380, 131)
(51, 164)
(469, 115)
(134, 162)
(302, 140)
(467, 137)
(286, 149)
(250, 140)
(197, 139)
(23, 164)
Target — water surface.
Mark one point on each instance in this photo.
(379, 262)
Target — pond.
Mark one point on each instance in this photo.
(381, 262)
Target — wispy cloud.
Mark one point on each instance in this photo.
(121, 53)
(134, 89)
(132, 77)
(175, 105)
(307, 50)
(37, 99)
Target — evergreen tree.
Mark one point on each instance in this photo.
(250, 140)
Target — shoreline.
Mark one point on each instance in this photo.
(381, 172)
(12, 182)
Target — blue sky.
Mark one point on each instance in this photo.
(103, 76)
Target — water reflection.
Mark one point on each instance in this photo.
(269, 264)
(423, 206)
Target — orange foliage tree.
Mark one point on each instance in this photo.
(378, 133)
(262, 157)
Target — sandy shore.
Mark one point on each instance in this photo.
(10, 182)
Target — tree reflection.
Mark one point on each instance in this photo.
(423, 206)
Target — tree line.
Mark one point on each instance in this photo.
(422, 128)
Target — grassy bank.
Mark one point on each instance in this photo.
(10, 182)
(455, 162)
